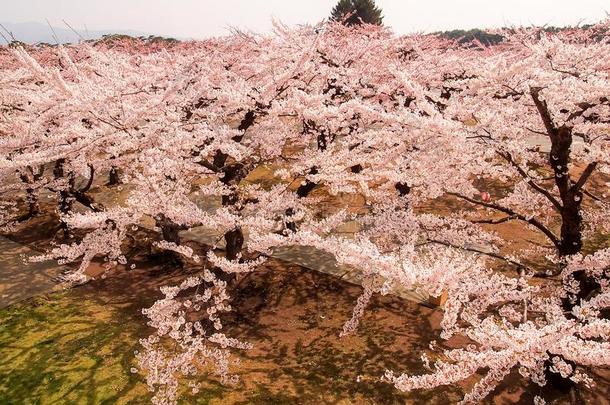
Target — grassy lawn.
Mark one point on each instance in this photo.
(67, 348)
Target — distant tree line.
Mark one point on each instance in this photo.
(468, 36)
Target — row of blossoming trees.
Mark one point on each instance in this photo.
(403, 122)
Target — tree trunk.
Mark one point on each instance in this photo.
(169, 230)
(113, 177)
(234, 243)
(306, 188)
(65, 202)
(170, 233)
(30, 192)
(571, 218)
(290, 224)
(402, 188)
(32, 200)
(302, 192)
(571, 225)
(571, 198)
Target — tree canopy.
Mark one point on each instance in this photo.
(432, 153)
(464, 37)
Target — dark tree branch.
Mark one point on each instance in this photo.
(475, 250)
(584, 177)
(495, 221)
(90, 181)
(543, 110)
(508, 157)
(532, 221)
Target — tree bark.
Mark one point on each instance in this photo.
(234, 240)
(169, 230)
(65, 202)
(113, 177)
(31, 197)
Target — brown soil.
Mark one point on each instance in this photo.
(293, 317)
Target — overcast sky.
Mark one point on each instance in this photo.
(202, 18)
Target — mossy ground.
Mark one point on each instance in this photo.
(65, 348)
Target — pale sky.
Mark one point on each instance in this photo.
(202, 18)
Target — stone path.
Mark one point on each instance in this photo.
(20, 279)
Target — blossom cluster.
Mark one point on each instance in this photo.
(183, 133)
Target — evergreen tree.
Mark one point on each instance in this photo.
(359, 12)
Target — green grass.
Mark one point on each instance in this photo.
(67, 349)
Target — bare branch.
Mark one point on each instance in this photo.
(532, 221)
(508, 157)
(584, 177)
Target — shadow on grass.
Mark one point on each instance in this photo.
(65, 349)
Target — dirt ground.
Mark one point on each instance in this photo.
(77, 346)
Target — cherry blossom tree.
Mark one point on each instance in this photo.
(534, 88)
(340, 113)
